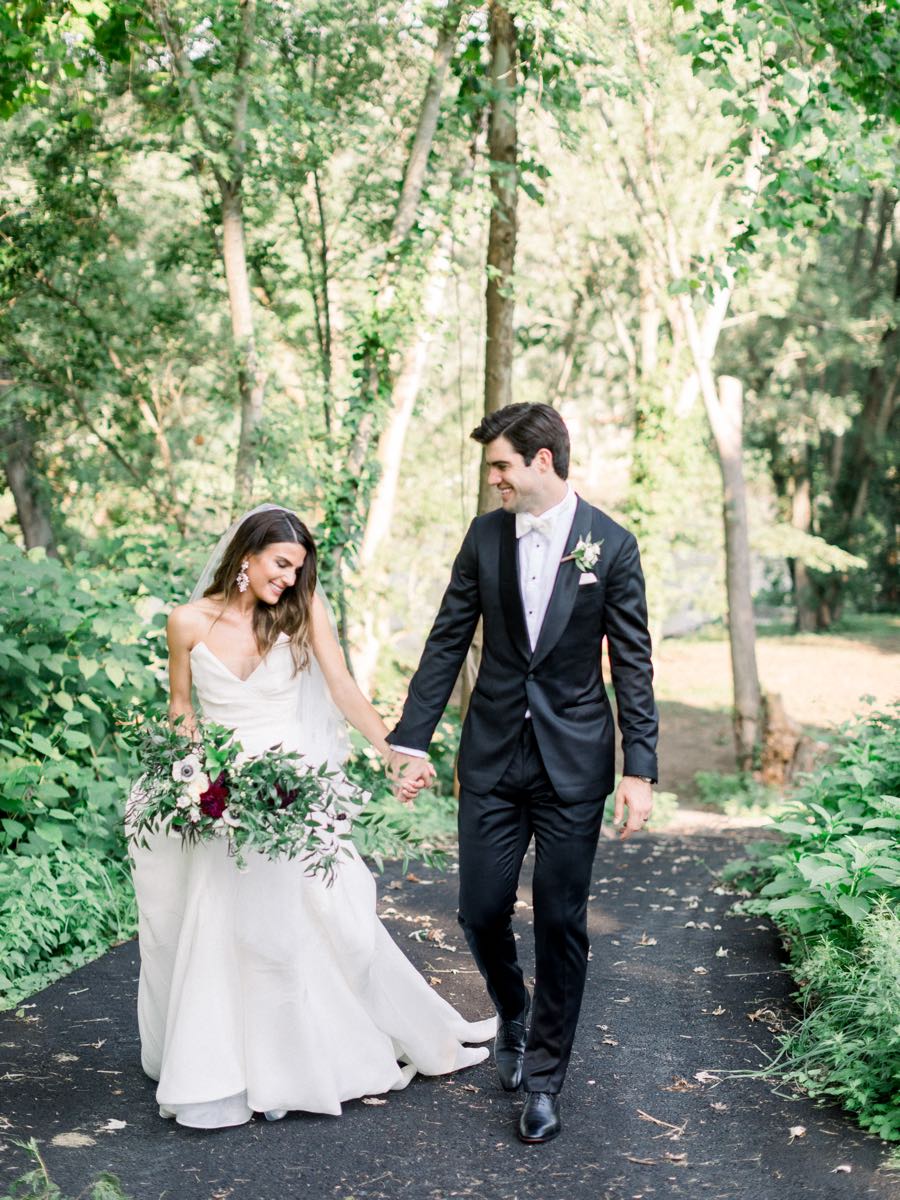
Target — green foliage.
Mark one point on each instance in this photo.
(847, 1047)
(794, 71)
(838, 854)
(36, 1184)
(832, 885)
(74, 648)
(735, 795)
(73, 652)
(58, 911)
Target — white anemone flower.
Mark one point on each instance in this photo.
(187, 769)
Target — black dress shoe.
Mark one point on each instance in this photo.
(540, 1120)
(509, 1049)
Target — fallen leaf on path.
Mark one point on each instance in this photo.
(111, 1126)
(680, 1084)
(714, 1012)
(624, 1000)
(843, 1169)
(768, 1017)
(434, 980)
(72, 1141)
(415, 879)
(721, 952)
(373, 1100)
(700, 971)
(680, 1159)
(706, 1077)
(65, 1058)
(646, 941)
(718, 1106)
(645, 1162)
(396, 885)
(796, 1132)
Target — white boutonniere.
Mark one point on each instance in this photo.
(586, 553)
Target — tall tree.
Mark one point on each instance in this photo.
(499, 335)
(223, 140)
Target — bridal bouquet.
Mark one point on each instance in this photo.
(203, 785)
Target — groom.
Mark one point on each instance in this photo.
(551, 576)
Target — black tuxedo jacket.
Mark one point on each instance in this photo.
(560, 682)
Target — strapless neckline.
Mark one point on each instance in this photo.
(282, 641)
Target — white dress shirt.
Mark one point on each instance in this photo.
(541, 543)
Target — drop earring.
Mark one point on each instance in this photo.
(243, 579)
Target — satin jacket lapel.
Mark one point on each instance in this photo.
(510, 592)
(565, 588)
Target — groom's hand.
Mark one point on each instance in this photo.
(637, 796)
(410, 774)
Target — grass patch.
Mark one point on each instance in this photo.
(36, 1184)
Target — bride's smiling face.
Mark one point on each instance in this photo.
(275, 568)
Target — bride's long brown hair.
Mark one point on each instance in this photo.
(292, 614)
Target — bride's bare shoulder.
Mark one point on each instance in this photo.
(188, 622)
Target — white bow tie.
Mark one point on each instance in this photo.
(527, 522)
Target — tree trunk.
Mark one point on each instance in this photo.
(501, 260)
(414, 178)
(404, 394)
(727, 427)
(801, 518)
(251, 376)
(501, 253)
(404, 217)
(18, 464)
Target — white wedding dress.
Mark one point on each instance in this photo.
(264, 988)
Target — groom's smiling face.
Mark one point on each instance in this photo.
(522, 487)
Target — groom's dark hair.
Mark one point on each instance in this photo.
(528, 428)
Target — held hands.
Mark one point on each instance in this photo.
(637, 796)
(410, 774)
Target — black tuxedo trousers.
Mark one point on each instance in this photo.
(495, 831)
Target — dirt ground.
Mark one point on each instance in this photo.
(823, 681)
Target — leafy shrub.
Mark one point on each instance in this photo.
(57, 911)
(78, 644)
(839, 848)
(74, 650)
(832, 885)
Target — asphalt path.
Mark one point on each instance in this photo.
(678, 994)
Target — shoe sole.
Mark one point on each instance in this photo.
(539, 1141)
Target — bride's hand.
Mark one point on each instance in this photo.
(410, 774)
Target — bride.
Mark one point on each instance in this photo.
(264, 989)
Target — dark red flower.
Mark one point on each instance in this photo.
(214, 800)
(286, 796)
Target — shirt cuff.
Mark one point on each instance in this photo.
(408, 750)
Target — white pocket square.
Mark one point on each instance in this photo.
(586, 577)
